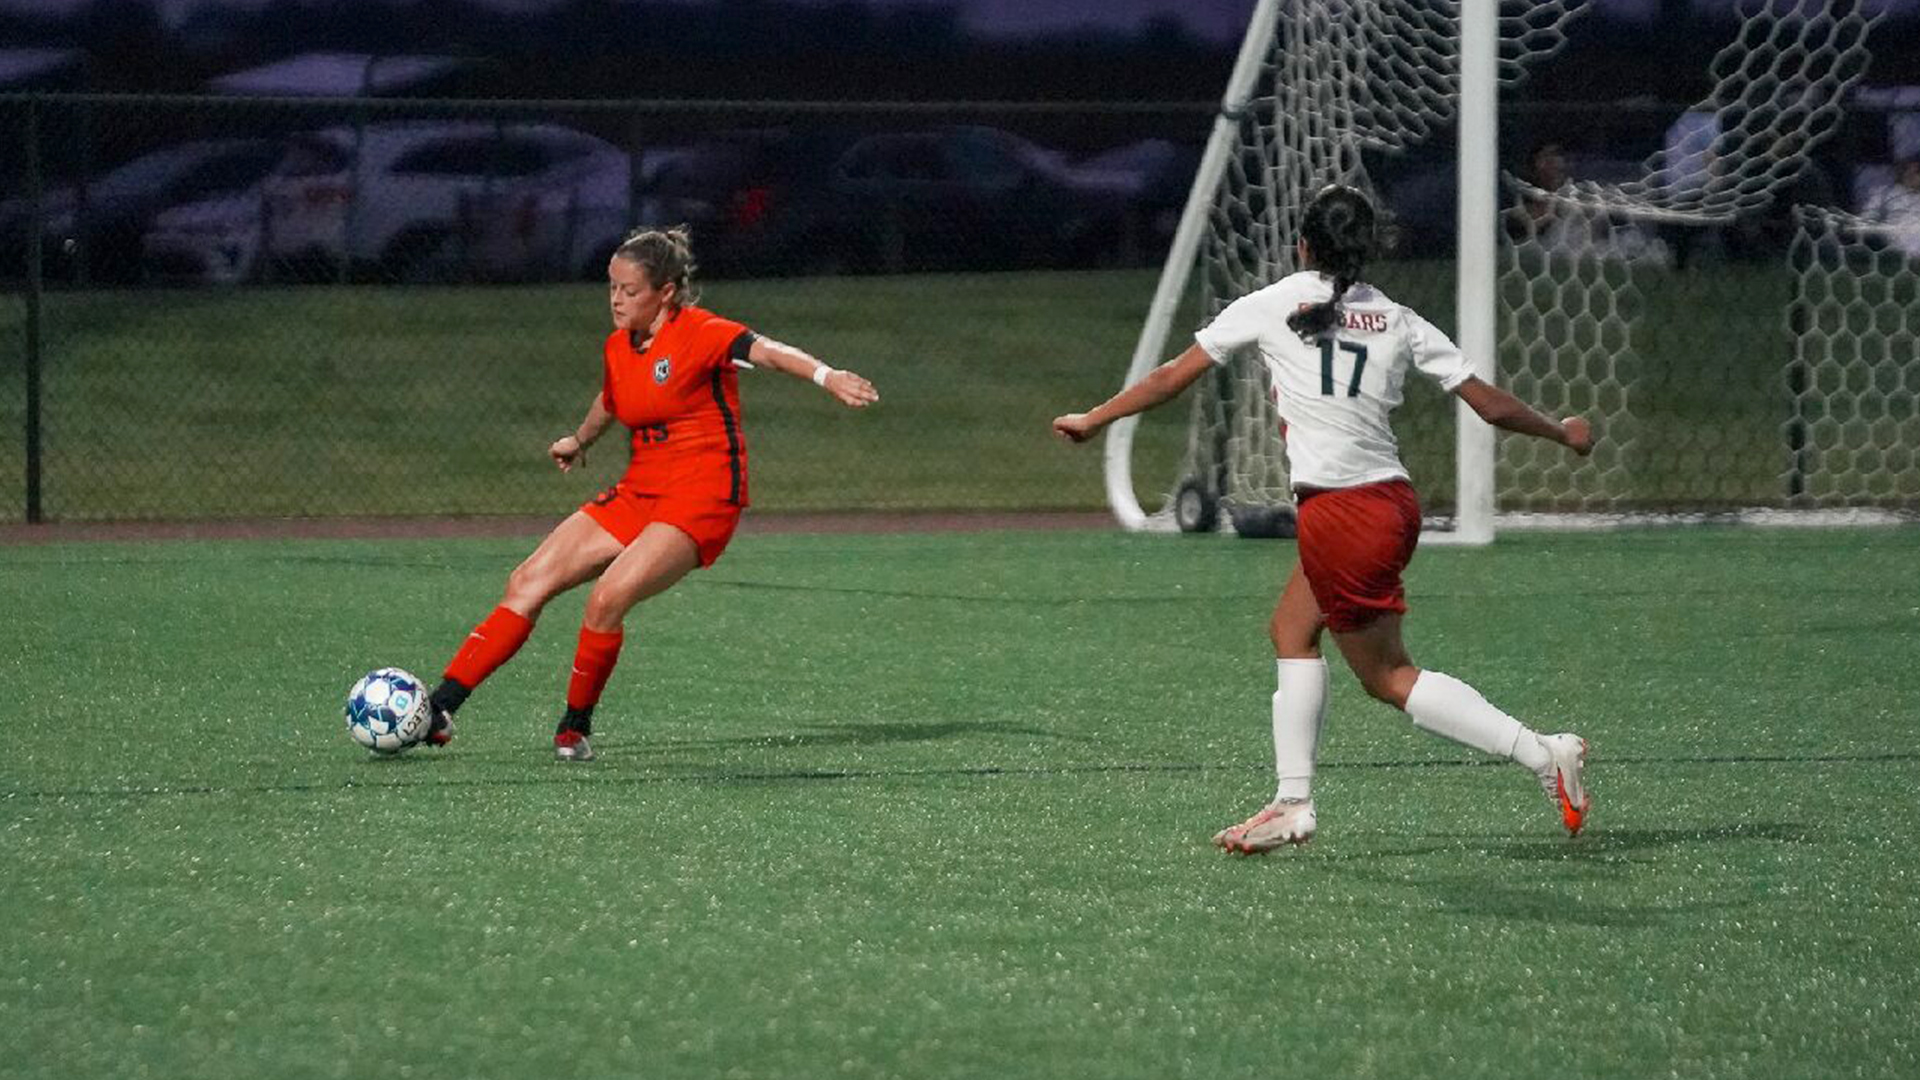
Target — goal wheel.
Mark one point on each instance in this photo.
(1195, 509)
(1263, 522)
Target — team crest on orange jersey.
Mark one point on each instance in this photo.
(662, 368)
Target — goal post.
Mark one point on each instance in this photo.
(1603, 315)
(1479, 129)
(1315, 84)
(1178, 270)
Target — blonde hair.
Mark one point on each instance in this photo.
(667, 257)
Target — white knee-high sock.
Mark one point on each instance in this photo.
(1299, 710)
(1446, 706)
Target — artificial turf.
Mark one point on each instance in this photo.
(937, 805)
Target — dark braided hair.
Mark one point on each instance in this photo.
(1342, 230)
(667, 257)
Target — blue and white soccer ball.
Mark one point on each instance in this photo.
(387, 711)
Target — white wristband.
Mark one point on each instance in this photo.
(820, 375)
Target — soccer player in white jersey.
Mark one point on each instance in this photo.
(1337, 352)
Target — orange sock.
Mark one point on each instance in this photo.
(491, 644)
(592, 664)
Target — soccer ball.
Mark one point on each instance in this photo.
(387, 711)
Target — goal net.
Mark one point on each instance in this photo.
(1852, 435)
(1591, 316)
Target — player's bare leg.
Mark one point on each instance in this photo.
(656, 560)
(1379, 659)
(1444, 705)
(1299, 712)
(576, 550)
(1296, 625)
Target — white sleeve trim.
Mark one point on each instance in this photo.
(1238, 325)
(1435, 355)
(1453, 382)
(1218, 354)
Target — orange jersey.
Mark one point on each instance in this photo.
(681, 397)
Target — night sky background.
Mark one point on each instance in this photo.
(1125, 50)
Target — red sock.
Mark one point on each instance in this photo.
(592, 663)
(491, 644)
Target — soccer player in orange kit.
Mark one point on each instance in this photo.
(669, 376)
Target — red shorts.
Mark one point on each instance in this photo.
(1354, 542)
(623, 513)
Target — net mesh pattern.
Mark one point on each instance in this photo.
(1341, 81)
(1778, 90)
(1687, 414)
(1679, 370)
(1854, 373)
(1566, 341)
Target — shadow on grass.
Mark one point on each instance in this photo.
(1598, 844)
(1603, 842)
(861, 735)
(647, 750)
(1555, 899)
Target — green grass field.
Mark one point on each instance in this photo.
(937, 805)
(358, 400)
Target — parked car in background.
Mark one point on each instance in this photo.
(531, 231)
(976, 198)
(388, 199)
(777, 201)
(94, 230)
(47, 68)
(215, 240)
(348, 74)
(1157, 175)
(384, 201)
(735, 190)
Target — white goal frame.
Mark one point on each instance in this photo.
(1790, 79)
(1479, 149)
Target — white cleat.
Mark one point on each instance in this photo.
(1278, 824)
(572, 746)
(1564, 780)
(440, 731)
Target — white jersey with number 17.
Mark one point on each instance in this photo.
(1334, 393)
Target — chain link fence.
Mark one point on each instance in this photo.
(241, 307)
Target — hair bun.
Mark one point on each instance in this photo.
(666, 255)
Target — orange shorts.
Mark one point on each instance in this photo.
(624, 512)
(1354, 542)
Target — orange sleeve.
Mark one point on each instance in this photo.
(724, 341)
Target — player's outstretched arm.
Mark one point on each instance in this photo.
(570, 450)
(848, 388)
(1162, 384)
(1503, 410)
